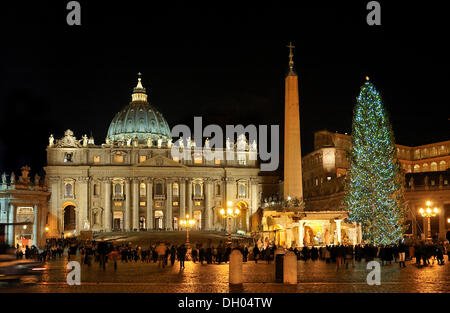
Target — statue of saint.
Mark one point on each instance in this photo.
(207, 143)
(169, 143)
(128, 141)
(13, 178)
(37, 179)
(51, 140)
(136, 142)
(149, 142)
(3, 178)
(181, 142)
(188, 142)
(254, 146)
(108, 140)
(228, 143)
(159, 142)
(85, 141)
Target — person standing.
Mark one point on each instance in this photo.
(182, 255)
(256, 253)
(173, 251)
(102, 250)
(161, 251)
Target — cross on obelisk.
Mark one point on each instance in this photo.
(291, 56)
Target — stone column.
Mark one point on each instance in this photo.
(35, 224)
(254, 203)
(83, 204)
(126, 226)
(338, 230)
(149, 204)
(301, 233)
(207, 204)
(442, 221)
(412, 214)
(10, 227)
(189, 195)
(290, 268)
(235, 268)
(54, 216)
(169, 219)
(135, 196)
(182, 193)
(107, 217)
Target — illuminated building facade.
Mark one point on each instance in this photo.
(132, 182)
(23, 210)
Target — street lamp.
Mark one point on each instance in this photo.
(429, 213)
(187, 223)
(229, 213)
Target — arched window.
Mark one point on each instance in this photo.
(68, 191)
(242, 192)
(158, 189)
(197, 190)
(142, 190)
(175, 189)
(217, 189)
(416, 168)
(442, 166)
(433, 151)
(433, 166)
(417, 154)
(424, 153)
(425, 167)
(118, 189)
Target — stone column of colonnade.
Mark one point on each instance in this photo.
(135, 197)
(169, 218)
(107, 222)
(338, 230)
(10, 227)
(229, 188)
(183, 198)
(54, 218)
(189, 196)
(126, 223)
(208, 182)
(149, 193)
(35, 225)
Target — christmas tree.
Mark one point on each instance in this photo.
(374, 188)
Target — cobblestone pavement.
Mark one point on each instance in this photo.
(314, 276)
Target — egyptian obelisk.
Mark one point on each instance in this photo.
(292, 186)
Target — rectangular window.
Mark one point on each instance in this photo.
(217, 161)
(175, 203)
(96, 159)
(118, 203)
(118, 159)
(142, 203)
(176, 159)
(142, 158)
(197, 203)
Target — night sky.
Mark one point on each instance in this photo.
(226, 63)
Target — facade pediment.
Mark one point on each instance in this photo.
(160, 161)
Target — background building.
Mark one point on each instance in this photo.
(425, 169)
(23, 210)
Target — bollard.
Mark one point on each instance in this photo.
(278, 260)
(290, 268)
(235, 267)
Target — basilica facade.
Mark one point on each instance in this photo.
(132, 182)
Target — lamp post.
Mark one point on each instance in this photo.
(429, 213)
(229, 213)
(187, 223)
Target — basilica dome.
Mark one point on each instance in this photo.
(139, 119)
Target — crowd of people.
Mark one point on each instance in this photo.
(165, 253)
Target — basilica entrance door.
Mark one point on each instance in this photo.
(117, 220)
(69, 218)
